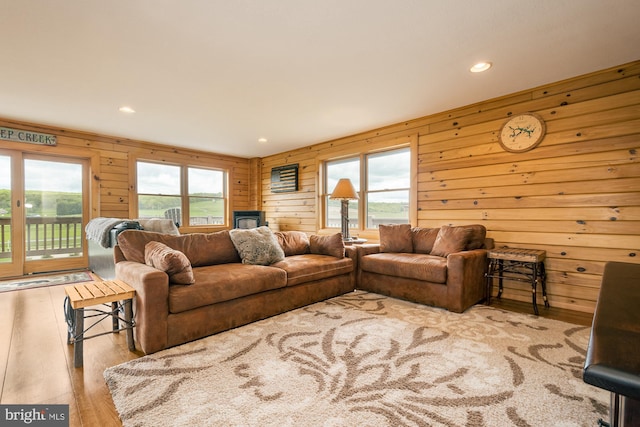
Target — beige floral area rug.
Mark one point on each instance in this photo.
(367, 360)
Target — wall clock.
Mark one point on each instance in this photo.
(522, 132)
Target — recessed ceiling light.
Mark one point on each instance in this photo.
(480, 67)
(126, 109)
(262, 140)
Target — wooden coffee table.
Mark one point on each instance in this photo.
(82, 295)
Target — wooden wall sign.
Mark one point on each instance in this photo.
(284, 179)
(19, 135)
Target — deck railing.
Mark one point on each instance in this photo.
(5, 238)
(44, 236)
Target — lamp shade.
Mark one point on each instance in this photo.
(344, 190)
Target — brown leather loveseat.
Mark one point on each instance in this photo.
(442, 267)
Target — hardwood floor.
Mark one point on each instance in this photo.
(575, 317)
(36, 364)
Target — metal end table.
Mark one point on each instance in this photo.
(523, 265)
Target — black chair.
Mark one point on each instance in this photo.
(613, 355)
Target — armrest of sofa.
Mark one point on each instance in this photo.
(352, 253)
(368, 249)
(364, 250)
(151, 303)
(465, 278)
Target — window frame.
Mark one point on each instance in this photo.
(368, 191)
(184, 195)
(410, 141)
(224, 198)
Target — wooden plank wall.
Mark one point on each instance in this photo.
(577, 195)
(113, 165)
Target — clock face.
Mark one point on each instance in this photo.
(522, 132)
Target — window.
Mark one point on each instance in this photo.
(383, 182)
(160, 193)
(206, 196)
(388, 185)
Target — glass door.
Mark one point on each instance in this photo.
(10, 216)
(43, 206)
(55, 208)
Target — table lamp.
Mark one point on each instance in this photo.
(344, 192)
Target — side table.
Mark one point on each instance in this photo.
(82, 295)
(355, 241)
(524, 265)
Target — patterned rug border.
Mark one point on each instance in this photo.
(42, 280)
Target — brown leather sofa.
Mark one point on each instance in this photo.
(442, 267)
(219, 291)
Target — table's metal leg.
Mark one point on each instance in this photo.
(114, 317)
(69, 315)
(534, 285)
(78, 337)
(128, 317)
(489, 284)
(500, 271)
(543, 282)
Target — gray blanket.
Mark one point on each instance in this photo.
(98, 230)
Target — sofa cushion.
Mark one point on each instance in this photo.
(200, 248)
(395, 238)
(332, 245)
(423, 239)
(224, 282)
(174, 263)
(210, 248)
(257, 246)
(412, 266)
(293, 242)
(451, 240)
(310, 267)
(477, 238)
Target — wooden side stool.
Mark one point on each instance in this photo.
(524, 265)
(82, 295)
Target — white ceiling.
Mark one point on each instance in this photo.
(216, 75)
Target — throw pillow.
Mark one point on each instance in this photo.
(450, 240)
(478, 235)
(395, 238)
(174, 263)
(327, 245)
(258, 246)
(293, 242)
(423, 239)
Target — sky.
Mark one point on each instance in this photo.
(44, 175)
(156, 178)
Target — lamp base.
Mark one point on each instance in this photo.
(344, 214)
